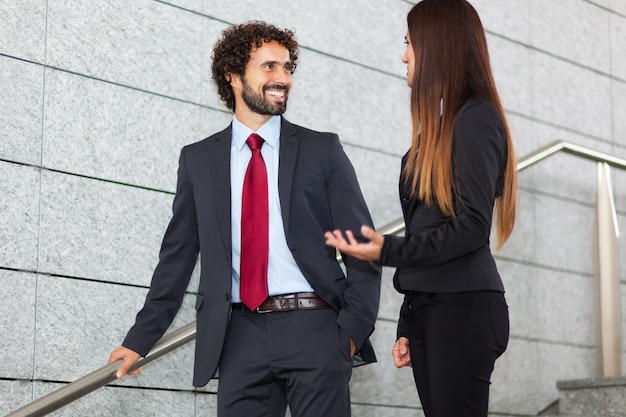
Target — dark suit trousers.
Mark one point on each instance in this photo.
(454, 341)
(300, 358)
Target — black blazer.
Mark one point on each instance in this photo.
(443, 254)
(318, 192)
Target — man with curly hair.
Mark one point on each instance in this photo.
(275, 311)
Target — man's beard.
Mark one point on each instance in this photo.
(259, 104)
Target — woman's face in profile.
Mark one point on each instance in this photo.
(409, 60)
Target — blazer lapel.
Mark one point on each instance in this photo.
(219, 161)
(289, 145)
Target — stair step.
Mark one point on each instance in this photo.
(601, 397)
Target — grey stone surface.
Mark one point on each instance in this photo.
(508, 19)
(111, 401)
(549, 305)
(565, 234)
(144, 44)
(206, 405)
(21, 92)
(521, 245)
(23, 29)
(618, 6)
(17, 312)
(359, 410)
(602, 396)
(524, 379)
(381, 383)
(512, 74)
(19, 216)
(583, 106)
(14, 394)
(370, 33)
(618, 96)
(618, 40)
(195, 5)
(75, 317)
(100, 230)
(378, 178)
(331, 95)
(584, 42)
(390, 299)
(117, 133)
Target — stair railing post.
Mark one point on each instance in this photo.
(607, 280)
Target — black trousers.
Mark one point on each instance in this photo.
(296, 358)
(454, 341)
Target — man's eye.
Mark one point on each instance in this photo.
(268, 66)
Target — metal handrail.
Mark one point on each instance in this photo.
(187, 333)
(104, 375)
(570, 148)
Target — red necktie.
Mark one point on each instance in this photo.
(254, 229)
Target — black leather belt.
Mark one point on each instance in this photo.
(288, 302)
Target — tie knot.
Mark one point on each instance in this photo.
(255, 141)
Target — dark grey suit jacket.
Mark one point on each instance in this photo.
(318, 192)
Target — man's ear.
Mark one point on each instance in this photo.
(233, 79)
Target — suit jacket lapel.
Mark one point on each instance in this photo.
(219, 161)
(289, 145)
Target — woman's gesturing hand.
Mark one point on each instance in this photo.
(369, 251)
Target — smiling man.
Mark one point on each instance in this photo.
(275, 311)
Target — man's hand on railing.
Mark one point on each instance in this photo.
(129, 357)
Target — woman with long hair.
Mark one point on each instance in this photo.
(459, 172)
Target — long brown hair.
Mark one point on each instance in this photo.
(451, 64)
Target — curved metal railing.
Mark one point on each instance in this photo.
(187, 333)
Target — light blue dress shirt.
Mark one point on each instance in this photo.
(284, 276)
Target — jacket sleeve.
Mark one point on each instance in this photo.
(177, 259)
(348, 212)
(404, 319)
(479, 152)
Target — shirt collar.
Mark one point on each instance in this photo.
(270, 132)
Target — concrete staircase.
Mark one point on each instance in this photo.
(604, 397)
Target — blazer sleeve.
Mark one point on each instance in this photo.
(349, 211)
(177, 259)
(479, 152)
(404, 321)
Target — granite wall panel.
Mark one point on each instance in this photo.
(17, 311)
(584, 43)
(19, 218)
(23, 29)
(119, 134)
(145, 44)
(564, 94)
(76, 316)
(100, 230)
(21, 93)
(333, 28)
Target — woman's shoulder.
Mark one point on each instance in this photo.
(475, 108)
(478, 125)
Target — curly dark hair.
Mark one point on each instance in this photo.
(232, 52)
